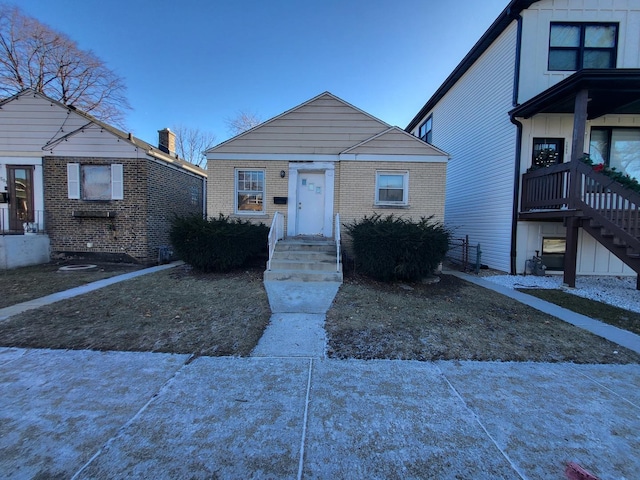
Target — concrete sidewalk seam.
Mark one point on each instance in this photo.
(305, 420)
(604, 387)
(479, 422)
(137, 415)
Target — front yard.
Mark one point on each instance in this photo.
(179, 311)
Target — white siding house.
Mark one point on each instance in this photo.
(516, 92)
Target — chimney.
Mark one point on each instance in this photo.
(167, 141)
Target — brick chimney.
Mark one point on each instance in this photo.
(167, 141)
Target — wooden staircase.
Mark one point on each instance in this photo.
(300, 259)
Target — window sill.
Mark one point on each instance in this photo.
(397, 207)
(249, 215)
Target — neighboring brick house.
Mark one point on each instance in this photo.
(322, 158)
(93, 190)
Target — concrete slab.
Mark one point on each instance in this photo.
(300, 297)
(391, 419)
(293, 335)
(219, 418)
(546, 415)
(58, 408)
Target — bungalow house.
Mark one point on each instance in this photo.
(323, 158)
(549, 81)
(73, 185)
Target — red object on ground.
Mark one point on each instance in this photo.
(576, 472)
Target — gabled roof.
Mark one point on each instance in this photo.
(397, 142)
(508, 15)
(92, 121)
(323, 125)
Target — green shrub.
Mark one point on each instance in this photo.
(218, 244)
(393, 248)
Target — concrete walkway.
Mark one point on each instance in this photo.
(278, 414)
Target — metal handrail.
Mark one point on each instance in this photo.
(33, 223)
(276, 232)
(337, 235)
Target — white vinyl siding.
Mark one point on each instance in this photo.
(474, 129)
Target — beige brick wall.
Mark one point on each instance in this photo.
(356, 197)
(221, 187)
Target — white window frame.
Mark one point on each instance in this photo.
(405, 187)
(74, 182)
(263, 191)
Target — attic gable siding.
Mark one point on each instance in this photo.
(324, 126)
(534, 76)
(27, 123)
(396, 143)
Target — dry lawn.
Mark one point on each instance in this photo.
(173, 311)
(22, 284)
(454, 320)
(179, 311)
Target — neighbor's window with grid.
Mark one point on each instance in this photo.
(573, 46)
(249, 191)
(392, 188)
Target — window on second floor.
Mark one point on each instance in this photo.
(573, 46)
(424, 132)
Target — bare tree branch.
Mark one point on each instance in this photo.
(243, 121)
(32, 55)
(191, 144)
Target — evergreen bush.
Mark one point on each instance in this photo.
(217, 244)
(394, 248)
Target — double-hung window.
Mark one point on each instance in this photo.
(573, 46)
(392, 188)
(95, 182)
(424, 132)
(249, 191)
(547, 152)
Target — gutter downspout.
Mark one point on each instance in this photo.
(518, 156)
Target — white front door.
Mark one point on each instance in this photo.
(311, 201)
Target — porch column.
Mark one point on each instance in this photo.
(571, 252)
(579, 124)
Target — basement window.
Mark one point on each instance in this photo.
(553, 250)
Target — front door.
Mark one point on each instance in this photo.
(311, 195)
(20, 183)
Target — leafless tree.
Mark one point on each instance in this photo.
(191, 144)
(242, 122)
(33, 55)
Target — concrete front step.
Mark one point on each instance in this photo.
(302, 276)
(305, 260)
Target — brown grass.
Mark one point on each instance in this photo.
(22, 284)
(170, 311)
(454, 320)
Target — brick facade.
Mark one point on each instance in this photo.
(136, 226)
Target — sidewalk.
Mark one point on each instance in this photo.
(291, 413)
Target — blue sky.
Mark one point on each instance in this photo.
(198, 62)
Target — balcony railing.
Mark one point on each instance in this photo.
(576, 189)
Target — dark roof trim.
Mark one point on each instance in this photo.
(605, 87)
(508, 15)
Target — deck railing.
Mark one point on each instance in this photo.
(276, 232)
(337, 237)
(575, 186)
